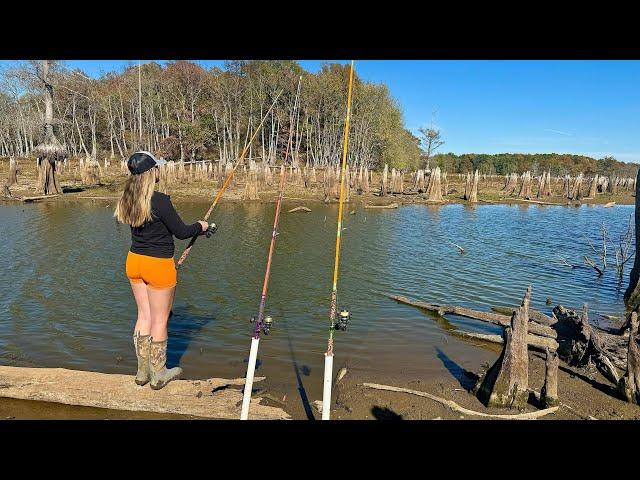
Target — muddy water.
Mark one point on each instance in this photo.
(65, 300)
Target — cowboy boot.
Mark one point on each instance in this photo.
(160, 374)
(142, 344)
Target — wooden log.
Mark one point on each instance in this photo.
(506, 383)
(39, 197)
(299, 209)
(549, 392)
(534, 315)
(629, 385)
(534, 341)
(494, 318)
(457, 408)
(208, 398)
(391, 205)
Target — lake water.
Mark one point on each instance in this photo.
(65, 300)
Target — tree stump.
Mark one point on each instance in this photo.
(506, 383)
(251, 185)
(384, 179)
(471, 187)
(549, 392)
(593, 188)
(525, 188)
(13, 172)
(632, 294)
(365, 180)
(629, 385)
(434, 189)
(580, 345)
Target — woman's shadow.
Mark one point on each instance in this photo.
(183, 327)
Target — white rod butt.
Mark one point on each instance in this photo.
(326, 391)
(248, 384)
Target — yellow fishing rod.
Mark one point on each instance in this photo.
(341, 323)
(226, 183)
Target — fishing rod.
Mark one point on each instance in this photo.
(344, 316)
(226, 183)
(264, 324)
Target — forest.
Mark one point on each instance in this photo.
(536, 163)
(186, 112)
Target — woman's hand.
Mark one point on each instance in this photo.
(204, 225)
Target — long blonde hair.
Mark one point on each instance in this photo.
(134, 206)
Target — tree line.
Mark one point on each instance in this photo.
(182, 111)
(558, 164)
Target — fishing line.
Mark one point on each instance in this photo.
(264, 324)
(226, 183)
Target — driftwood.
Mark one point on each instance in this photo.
(534, 315)
(629, 385)
(506, 383)
(534, 341)
(299, 209)
(39, 197)
(610, 204)
(549, 393)
(210, 398)
(391, 205)
(457, 408)
(494, 318)
(580, 345)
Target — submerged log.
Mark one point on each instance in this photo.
(549, 392)
(494, 318)
(506, 383)
(629, 385)
(210, 398)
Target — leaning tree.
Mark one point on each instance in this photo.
(49, 150)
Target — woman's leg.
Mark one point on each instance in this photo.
(160, 303)
(143, 324)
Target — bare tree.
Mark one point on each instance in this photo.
(431, 140)
(49, 151)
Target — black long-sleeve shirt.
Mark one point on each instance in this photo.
(155, 238)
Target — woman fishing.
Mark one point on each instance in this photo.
(150, 266)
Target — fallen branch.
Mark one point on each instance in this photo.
(589, 262)
(457, 408)
(534, 341)
(299, 209)
(496, 319)
(534, 315)
(462, 250)
(40, 197)
(391, 205)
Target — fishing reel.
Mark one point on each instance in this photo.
(267, 323)
(211, 230)
(342, 320)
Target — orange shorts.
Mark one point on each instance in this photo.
(153, 271)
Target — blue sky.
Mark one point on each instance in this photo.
(583, 107)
